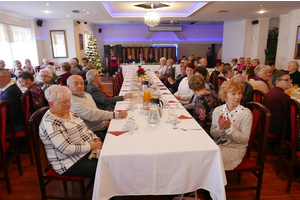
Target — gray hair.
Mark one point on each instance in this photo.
(295, 64)
(45, 60)
(51, 68)
(260, 68)
(48, 71)
(163, 58)
(90, 75)
(57, 93)
(15, 62)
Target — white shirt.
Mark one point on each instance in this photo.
(184, 91)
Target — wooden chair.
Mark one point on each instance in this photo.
(6, 147)
(167, 84)
(50, 175)
(115, 86)
(27, 108)
(220, 81)
(60, 81)
(294, 158)
(215, 82)
(261, 115)
(260, 97)
(121, 73)
(120, 81)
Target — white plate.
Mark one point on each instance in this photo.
(126, 129)
(173, 122)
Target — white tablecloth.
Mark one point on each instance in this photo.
(129, 68)
(158, 160)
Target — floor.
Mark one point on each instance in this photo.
(27, 186)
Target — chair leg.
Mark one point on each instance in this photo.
(30, 149)
(65, 186)
(6, 175)
(82, 190)
(239, 176)
(18, 158)
(290, 176)
(259, 183)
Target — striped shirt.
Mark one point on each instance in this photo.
(65, 141)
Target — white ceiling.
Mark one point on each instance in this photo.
(99, 14)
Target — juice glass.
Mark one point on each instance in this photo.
(147, 96)
(289, 92)
(295, 86)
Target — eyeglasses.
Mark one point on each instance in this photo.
(64, 102)
(2, 76)
(288, 80)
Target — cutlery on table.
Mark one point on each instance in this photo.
(190, 129)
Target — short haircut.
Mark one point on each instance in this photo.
(86, 59)
(183, 57)
(163, 58)
(66, 66)
(295, 63)
(57, 93)
(256, 60)
(26, 75)
(201, 70)
(51, 68)
(260, 68)
(47, 71)
(15, 62)
(190, 65)
(193, 60)
(182, 66)
(171, 61)
(196, 83)
(45, 60)
(90, 75)
(234, 60)
(270, 63)
(277, 75)
(226, 68)
(76, 59)
(5, 72)
(230, 86)
(219, 64)
(243, 58)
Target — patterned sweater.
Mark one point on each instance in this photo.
(65, 141)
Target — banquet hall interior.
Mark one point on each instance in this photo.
(61, 30)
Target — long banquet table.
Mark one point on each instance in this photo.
(157, 160)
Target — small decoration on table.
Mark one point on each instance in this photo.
(140, 71)
(250, 72)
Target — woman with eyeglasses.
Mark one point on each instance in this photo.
(278, 101)
(45, 76)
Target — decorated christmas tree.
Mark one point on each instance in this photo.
(93, 54)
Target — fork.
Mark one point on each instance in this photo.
(175, 126)
(188, 129)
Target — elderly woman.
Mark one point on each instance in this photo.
(26, 79)
(54, 76)
(65, 68)
(231, 124)
(28, 67)
(170, 71)
(163, 67)
(245, 65)
(278, 101)
(184, 93)
(261, 81)
(175, 83)
(45, 63)
(67, 140)
(17, 70)
(234, 62)
(205, 102)
(227, 71)
(45, 76)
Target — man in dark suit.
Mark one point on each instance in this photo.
(11, 92)
(141, 59)
(102, 101)
(294, 73)
(129, 60)
(151, 59)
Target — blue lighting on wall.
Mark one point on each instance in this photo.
(176, 45)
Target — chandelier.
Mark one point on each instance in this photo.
(152, 19)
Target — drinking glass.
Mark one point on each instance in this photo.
(289, 92)
(147, 96)
(295, 86)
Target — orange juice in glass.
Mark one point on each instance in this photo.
(295, 86)
(289, 92)
(143, 78)
(147, 96)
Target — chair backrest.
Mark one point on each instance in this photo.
(220, 81)
(34, 122)
(27, 108)
(214, 81)
(119, 79)
(260, 97)
(167, 84)
(5, 110)
(295, 123)
(60, 81)
(121, 73)
(261, 118)
(115, 86)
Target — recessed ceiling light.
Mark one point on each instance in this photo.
(47, 4)
(262, 11)
(262, 5)
(231, 15)
(68, 15)
(47, 11)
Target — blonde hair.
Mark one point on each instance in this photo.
(57, 93)
(171, 61)
(230, 86)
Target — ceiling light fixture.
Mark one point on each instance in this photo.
(262, 11)
(47, 11)
(68, 15)
(47, 4)
(152, 18)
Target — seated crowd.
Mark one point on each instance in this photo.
(86, 109)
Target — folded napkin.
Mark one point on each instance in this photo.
(161, 85)
(171, 101)
(119, 110)
(94, 154)
(117, 133)
(124, 90)
(165, 93)
(163, 88)
(184, 117)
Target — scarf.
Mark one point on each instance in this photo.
(256, 78)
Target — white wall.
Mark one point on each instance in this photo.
(286, 39)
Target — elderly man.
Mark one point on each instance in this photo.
(163, 67)
(102, 101)
(151, 59)
(293, 68)
(77, 64)
(83, 104)
(129, 60)
(11, 92)
(203, 62)
(2, 64)
(74, 69)
(141, 59)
